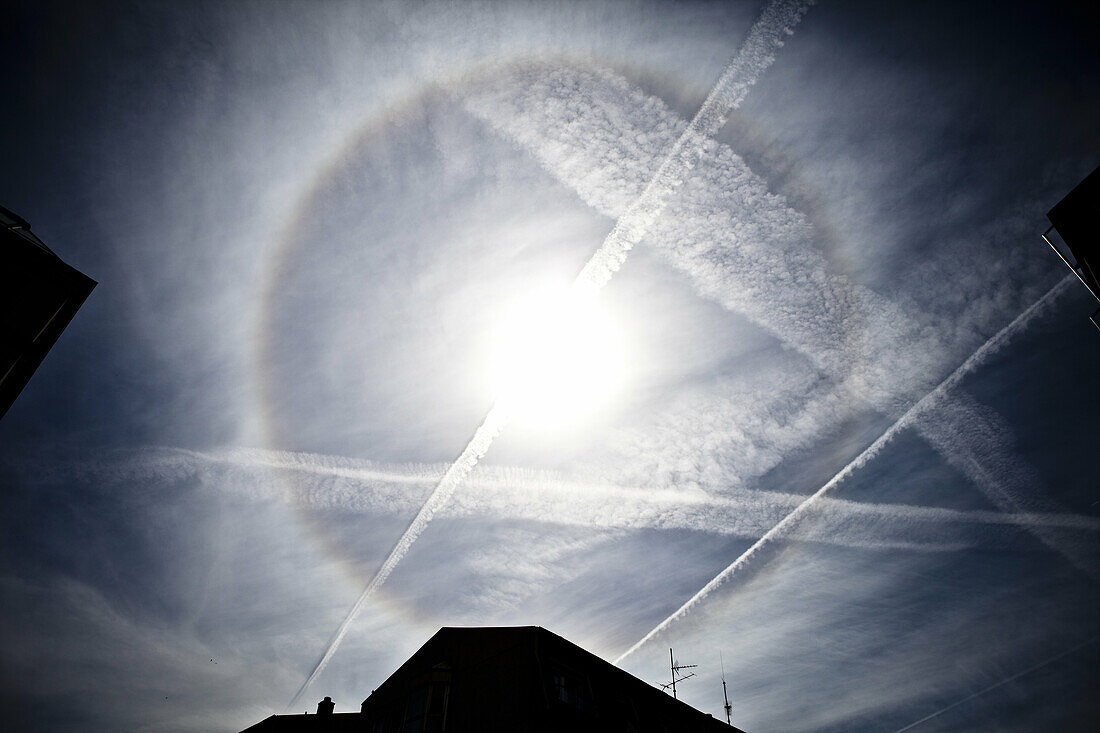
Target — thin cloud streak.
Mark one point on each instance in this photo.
(545, 496)
(1005, 681)
(324, 482)
(973, 439)
(927, 403)
(455, 475)
(306, 238)
(756, 55)
(736, 240)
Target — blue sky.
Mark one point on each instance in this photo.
(308, 221)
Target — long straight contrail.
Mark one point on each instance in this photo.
(358, 486)
(922, 406)
(596, 503)
(778, 18)
(1005, 681)
(970, 438)
(736, 240)
(458, 471)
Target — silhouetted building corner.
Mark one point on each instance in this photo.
(39, 295)
(325, 721)
(520, 679)
(1076, 219)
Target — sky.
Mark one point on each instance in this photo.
(840, 447)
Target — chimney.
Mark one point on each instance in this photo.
(326, 706)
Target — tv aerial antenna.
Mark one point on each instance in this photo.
(677, 672)
(725, 697)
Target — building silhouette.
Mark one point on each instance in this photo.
(39, 295)
(521, 679)
(1076, 219)
(325, 721)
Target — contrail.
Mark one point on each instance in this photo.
(758, 52)
(458, 471)
(777, 19)
(1005, 681)
(547, 496)
(925, 404)
(360, 486)
(970, 438)
(760, 248)
(736, 240)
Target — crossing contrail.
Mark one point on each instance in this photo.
(458, 471)
(970, 437)
(735, 240)
(356, 486)
(922, 406)
(777, 19)
(594, 502)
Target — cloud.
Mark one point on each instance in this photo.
(319, 483)
(909, 631)
(743, 246)
(867, 166)
(455, 474)
(749, 250)
(758, 52)
(926, 405)
(974, 439)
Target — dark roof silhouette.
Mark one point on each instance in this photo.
(325, 721)
(520, 679)
(39, 295)
(1076, 218)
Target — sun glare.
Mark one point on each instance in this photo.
(558, 358)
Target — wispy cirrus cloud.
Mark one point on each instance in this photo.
(927, 404)
(358, 487)
(778, 17)
(309, 178)
(749, 250)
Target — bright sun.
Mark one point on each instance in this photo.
(558, 358)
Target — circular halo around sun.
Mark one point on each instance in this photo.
(558, 358)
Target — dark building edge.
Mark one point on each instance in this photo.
(21, 249)
(506, 678)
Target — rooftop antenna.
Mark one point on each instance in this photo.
(677, 674)
(725, 697)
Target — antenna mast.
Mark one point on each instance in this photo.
(725, 697)
(677, 675)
